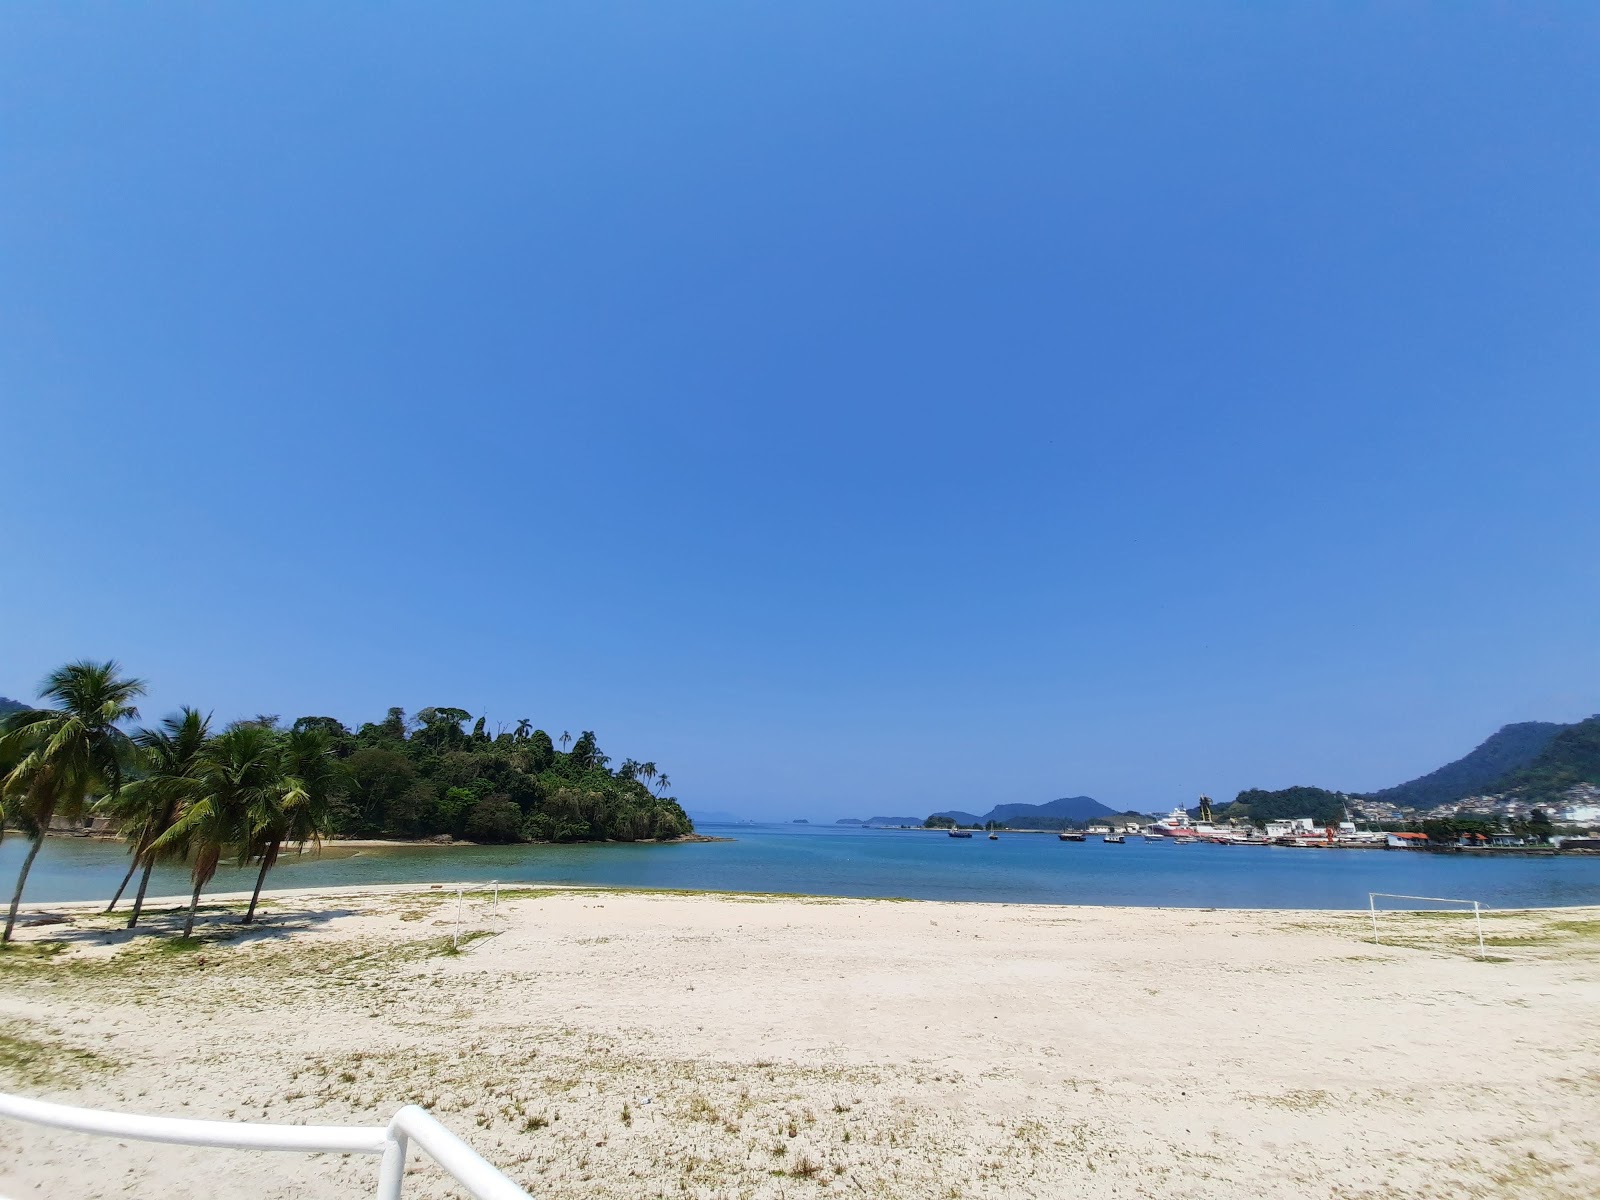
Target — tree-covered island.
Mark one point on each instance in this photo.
(184, 792)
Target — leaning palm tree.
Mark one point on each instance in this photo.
(648, 772)
(59, 756)
(662, 783)
(297, 809)
(168, 762)
(237, 785)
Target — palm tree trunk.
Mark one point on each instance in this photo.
(22, 879)
(132, 867)
(138, 900)
(194, 903)
(267, 856)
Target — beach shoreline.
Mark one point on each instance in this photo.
(512, 889)
(625, 1042)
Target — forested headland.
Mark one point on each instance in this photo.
(430, 775)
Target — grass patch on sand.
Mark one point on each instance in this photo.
(235, 965)
(31, 952)
(33, 1060)
(1560, 936)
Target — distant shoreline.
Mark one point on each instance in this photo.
(429, 843)
(511, 889)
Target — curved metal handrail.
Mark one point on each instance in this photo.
(410, 1124)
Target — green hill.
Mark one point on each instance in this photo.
(427, 776)
(1285, 804)
(9, 706)
(1512, 748)
(1572, 756)
(1056, 814)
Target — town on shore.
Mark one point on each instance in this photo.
(1531, 787)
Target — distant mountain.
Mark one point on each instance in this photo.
(1571, 757)
(892, 821)
(1070, 808)
(1036, 816)
(1511, 749)
(9, 706)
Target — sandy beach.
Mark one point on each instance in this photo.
(607, 1043)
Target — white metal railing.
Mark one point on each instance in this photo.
(1477, 911)
(410, 1124)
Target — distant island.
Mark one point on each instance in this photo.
(1069, 812)
(1054, 814)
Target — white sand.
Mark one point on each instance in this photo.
(633, 1045)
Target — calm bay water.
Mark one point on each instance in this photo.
(835, 861)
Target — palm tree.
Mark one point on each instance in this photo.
(647, 771)
(300, 810)
(565, 738)
(237, 787)
(168, 760)
(59, 756)
(523, 726)
(662, 783)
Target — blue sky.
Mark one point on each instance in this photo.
(853, 407)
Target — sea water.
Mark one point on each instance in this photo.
(847, 861)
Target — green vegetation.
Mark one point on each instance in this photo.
(168, 760)
(1571, 757)
(1286, 804)
(184, 794)
(1447, 830)
(54, 759)
(1532, 761)
(1507, 750)
(39, 1061)
(429, 776)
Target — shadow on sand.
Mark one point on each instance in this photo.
(214, 924)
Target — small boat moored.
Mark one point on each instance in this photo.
(961, 833)
(1068, 836)
(1113, 839)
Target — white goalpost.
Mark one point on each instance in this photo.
(1477, 912)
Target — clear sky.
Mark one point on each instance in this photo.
(854, 407)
